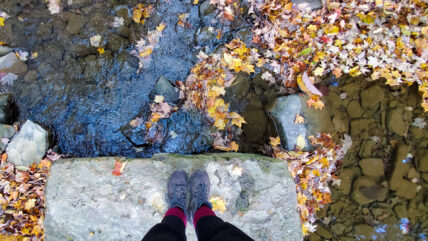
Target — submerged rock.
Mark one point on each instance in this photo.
(5, 111)
(395, 121)
(422, 160)
(8, 60)
(347, 177)
(366, 190)
(29, 145)
(372, 167)
(80, 189)
(400, 166)
(407, 189)
(256, 125)
(284, 110)
(76, 23)
(165, 88)
(371, 97)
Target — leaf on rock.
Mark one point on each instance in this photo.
(218, 204)
(299, 119)
(118, 168)
(301, 143)
(305, 84)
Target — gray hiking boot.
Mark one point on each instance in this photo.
(199, 188)
(177, 190)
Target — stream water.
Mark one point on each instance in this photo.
(87, 100)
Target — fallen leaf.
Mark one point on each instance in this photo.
(158, 99)
(218, 204)
(161, 27)
(306, 85)
(301, 143)
(1, 21)
(275, 141)
(299, 119)
(100, 50)
(30, 204)
(118, 168)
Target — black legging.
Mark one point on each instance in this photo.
(208, 228)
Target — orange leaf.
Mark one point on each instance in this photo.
(118, 168)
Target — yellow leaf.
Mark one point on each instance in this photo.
(275, 141)
(318, 71)
(237, 119)
(100, 50)
(137, 12)
(146, 52)
(312, 28)
(424, 30)
(195, 2)
(234, 146)
(354, 72)
(159, 98)
(36, 230)
(218, 204)
(1, 21)
(301, 143)
(30, 204)
(161, 27)
(331, 29)
(220, 124)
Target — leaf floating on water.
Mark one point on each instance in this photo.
(218, 204)
(118, 168)
(141, 12)
(100, 50)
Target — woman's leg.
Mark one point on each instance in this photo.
(173, 225)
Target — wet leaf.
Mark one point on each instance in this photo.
(299, 119)
(300, 142)
(305, 84)
(275, 141)
(100, 50)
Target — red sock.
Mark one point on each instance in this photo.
(202, 212)
(178, 213)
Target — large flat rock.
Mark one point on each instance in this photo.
(86, 202)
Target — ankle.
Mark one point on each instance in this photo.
(202, 211)
(178, 212)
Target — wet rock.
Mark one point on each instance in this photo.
(283, 111)
(124, 13)
(259, 82)
(367, 148)
(314, 237)
(314, 4)
(347, 177)
(31, 76)
(364, 232)
(371, 97)
(164, 87)
(323, 232)
(372, 167)
(340, 124)
(338, 228)
(116, 43)
(29, 145)
(395, 121)
(406, 189)
(400, 167)
(401, 211)
(354, 109)
(191, 133)
(366, 190)
(4, 50)
(256, 125)
(80, 189)
(7, 132)
(422, 160)
(205, 8)
(8, 60)
(75, 23)
(239, 87)
(17, 68)
(425, 176)
(361, 127)
(5, 111)
(413, 174)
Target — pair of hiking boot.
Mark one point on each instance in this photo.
(198, 187)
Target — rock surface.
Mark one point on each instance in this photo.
(5, 108)
(6, 132)
(284, 110)
(372, 167)
(29, 145)
(8, 60)
(85, 200)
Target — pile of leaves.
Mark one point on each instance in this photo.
(381, 38)
(205, 87)
(312, 173)
(22, 197)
